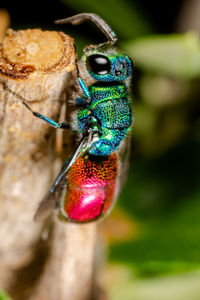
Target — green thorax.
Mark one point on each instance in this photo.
(100, 93)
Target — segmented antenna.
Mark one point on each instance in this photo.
(101, 24)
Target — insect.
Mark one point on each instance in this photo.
(88, 183)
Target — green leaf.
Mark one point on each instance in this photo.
(176, 287)
(173, 54)
(163, 195)
(4, 295)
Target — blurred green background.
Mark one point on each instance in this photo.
(153, 233)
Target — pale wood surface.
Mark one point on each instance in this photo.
(36, 65)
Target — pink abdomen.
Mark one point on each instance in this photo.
(91, 187)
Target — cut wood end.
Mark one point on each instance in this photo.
(26, 51)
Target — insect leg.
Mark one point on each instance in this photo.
(83, 87)
(81, 83)
(63, 125)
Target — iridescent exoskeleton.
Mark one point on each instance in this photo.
(88, 183)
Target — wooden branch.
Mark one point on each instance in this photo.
(4, 23)
(69, 271)
(36, 66)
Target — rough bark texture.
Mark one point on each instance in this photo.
(69, 271)
(35, 66)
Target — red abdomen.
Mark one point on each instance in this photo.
(91, 187)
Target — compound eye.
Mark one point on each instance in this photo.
(98, 64)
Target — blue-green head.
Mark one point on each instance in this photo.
(108, 67)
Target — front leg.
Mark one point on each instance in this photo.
(62, 125)
(82, 84)
(84, 88)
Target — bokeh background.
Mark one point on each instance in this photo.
(153, 234)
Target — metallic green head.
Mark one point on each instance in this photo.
(108, 67)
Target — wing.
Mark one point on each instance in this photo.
(124, 156)
(51, 200)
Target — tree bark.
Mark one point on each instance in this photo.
(36, 66)
(69, 270)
